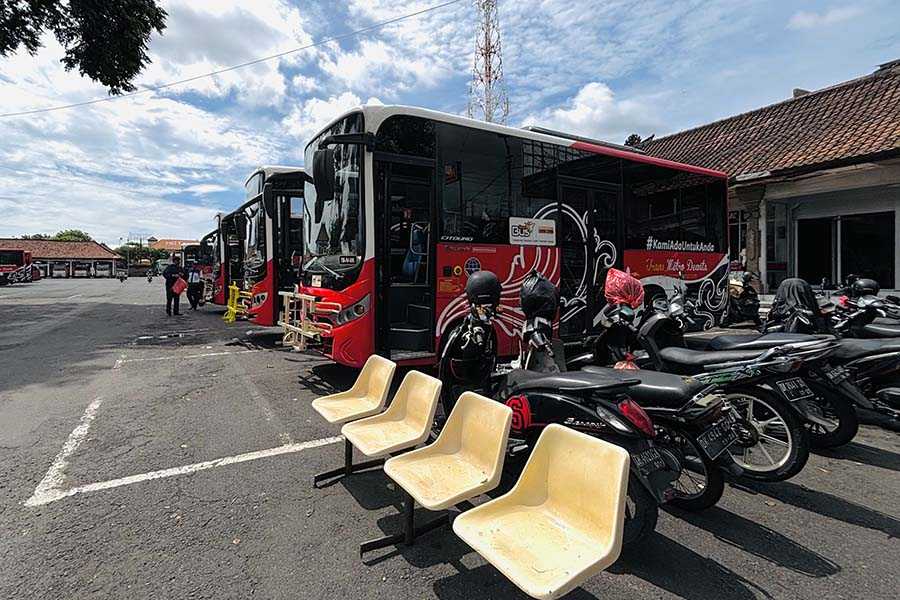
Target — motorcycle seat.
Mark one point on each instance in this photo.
(573, 381)
(657, 389)
(758, 341)
(851, 349)
(879, 330)
(688, 362)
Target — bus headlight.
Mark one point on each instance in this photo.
(354, 312)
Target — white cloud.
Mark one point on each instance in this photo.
(812, 20)
(377, 67)
(303, 84)
(205, 188)
(209, 36)
(311, 116)
(595, 112)
(105, 212)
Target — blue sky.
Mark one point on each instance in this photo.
(165, 163)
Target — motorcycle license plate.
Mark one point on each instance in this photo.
(719, 436)
(649, 460)
(794, 389)
(837, 375)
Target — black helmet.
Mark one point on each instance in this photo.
(483, 287)
(864, 287)
(539, 297)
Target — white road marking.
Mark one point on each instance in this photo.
(73, 296)
(120, 362)
(48, 489)
(59, 494)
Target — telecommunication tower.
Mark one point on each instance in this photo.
(488, 99)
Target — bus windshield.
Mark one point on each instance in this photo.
(335, 233)
(254, 241)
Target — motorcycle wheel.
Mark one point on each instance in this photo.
(641, 513)
(776, 425)
(835, 409)
(701, 483)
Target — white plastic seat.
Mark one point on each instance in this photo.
(562, 521)
(464, 461)
(405, 424)
(367, 396)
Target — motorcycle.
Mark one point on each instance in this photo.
(769, 389)
(541, 394)
(865, 370)
(743, 300)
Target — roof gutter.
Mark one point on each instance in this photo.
(757, 177)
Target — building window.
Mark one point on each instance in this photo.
(776, 243)
(737, 236)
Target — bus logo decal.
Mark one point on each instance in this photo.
(472, 265)
(532, 232)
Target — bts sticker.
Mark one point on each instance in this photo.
(532, 232)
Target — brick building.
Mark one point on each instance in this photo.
(814, 189)
(169, 245)
(67, 259)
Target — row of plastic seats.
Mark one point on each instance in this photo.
(561, 522)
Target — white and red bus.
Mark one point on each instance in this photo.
(16, 267)
(270, 225)
(407, 202)
(228, 260)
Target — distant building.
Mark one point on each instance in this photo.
(814, 181)
(67, 259)
(169, 245)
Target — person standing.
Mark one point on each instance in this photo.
(171, 275)
(195, 286)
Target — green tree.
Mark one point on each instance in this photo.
(72, 235)
(105, 39)
(37, 236)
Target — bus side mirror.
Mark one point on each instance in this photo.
(240, 226)
(323, 179)
(269, 201)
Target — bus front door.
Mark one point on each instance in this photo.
(404, 203)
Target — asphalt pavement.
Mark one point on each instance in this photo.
(146, 456)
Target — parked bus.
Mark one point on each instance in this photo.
(16, 267)
(206, 258)
(272, 235)
(190, 253)
(228, 264)
(407, 203)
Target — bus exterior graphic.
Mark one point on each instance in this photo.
(404, 204)
(16, 267)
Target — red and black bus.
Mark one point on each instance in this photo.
(16, 267)
(228, 259)
(270, 225)
(407, 203)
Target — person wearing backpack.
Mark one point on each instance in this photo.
(171, 275)
(195, 286)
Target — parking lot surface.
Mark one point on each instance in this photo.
(145, 456)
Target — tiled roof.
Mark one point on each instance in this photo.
(51, 249)
(845, 123)
(170, 244)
